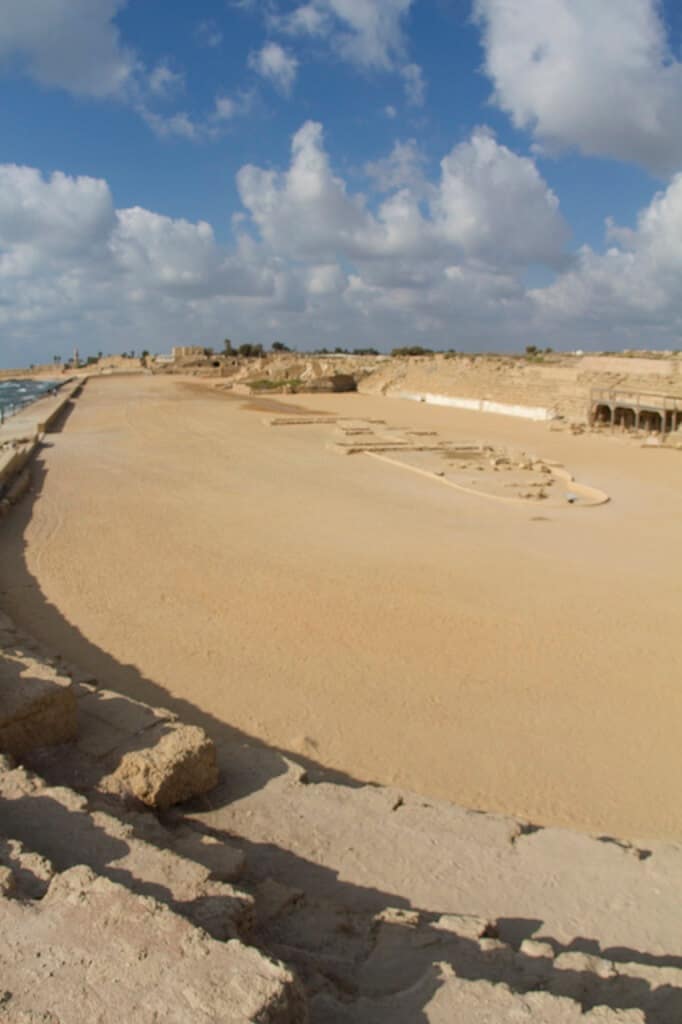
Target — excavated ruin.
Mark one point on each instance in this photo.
(148, 874)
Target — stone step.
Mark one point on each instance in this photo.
(443, 858)
(324, 861)
(91, 950)
(23, 875)
(402, 965)
(189, 872)
(440, 997)
(121, 745)
(327, 857)
(37, 705)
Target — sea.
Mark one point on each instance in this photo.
(15, 394)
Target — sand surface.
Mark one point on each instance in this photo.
(518, 659)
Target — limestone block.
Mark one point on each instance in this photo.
(181, 764)
(19, 486)
(92, 951)
(467, 926)
(37, 707)
(577, 974)
(17, 782)
(536, 950)
(406, 944)
(7, 883)
(440, 997)
(26, 875)
(61, 830)
(121, 712)
(109, 722)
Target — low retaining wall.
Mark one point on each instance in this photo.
(526, 412)
(13, 460)
(48, 418)
(20, 436)
(591, 495)
(38, 416)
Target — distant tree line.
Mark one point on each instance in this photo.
(251, 350)
(412, 350)
(247, 350)
(533, 352)
(338, 351)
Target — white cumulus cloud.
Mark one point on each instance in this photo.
(404, 166)
(362, 31)
(163, 81)
(76, 45)
(53, 217)
(635, 282)
(229, 107)
(415, 86)
(276, 64)
(496, 205)
(72, 44)
(305, 211)
(73, 268)
(311, 261)
(438, 259)
(168, 126)
(596, 76)
(488, 204)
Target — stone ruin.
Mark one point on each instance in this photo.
(119, 902)
(105, 914)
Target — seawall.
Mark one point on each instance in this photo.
(20, 437)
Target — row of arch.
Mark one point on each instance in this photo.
(633, 418)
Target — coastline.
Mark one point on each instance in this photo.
(20, 435)
(33, 417)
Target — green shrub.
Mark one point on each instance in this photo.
(412, 350)
(266, 384)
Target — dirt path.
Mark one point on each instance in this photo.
(502, 658)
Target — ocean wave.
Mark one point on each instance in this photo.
(16, 394)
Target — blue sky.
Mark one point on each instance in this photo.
(476, 174)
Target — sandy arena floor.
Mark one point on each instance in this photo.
(521, 659)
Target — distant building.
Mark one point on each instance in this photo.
(187, 351)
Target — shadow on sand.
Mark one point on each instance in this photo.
(330, 934)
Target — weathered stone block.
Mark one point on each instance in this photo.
(181, 764)
(37, 707)
(92, 951)
(121, 712)
(19, 486)
(23, 874)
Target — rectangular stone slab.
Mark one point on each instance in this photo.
(92, 951)
(37, 705)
